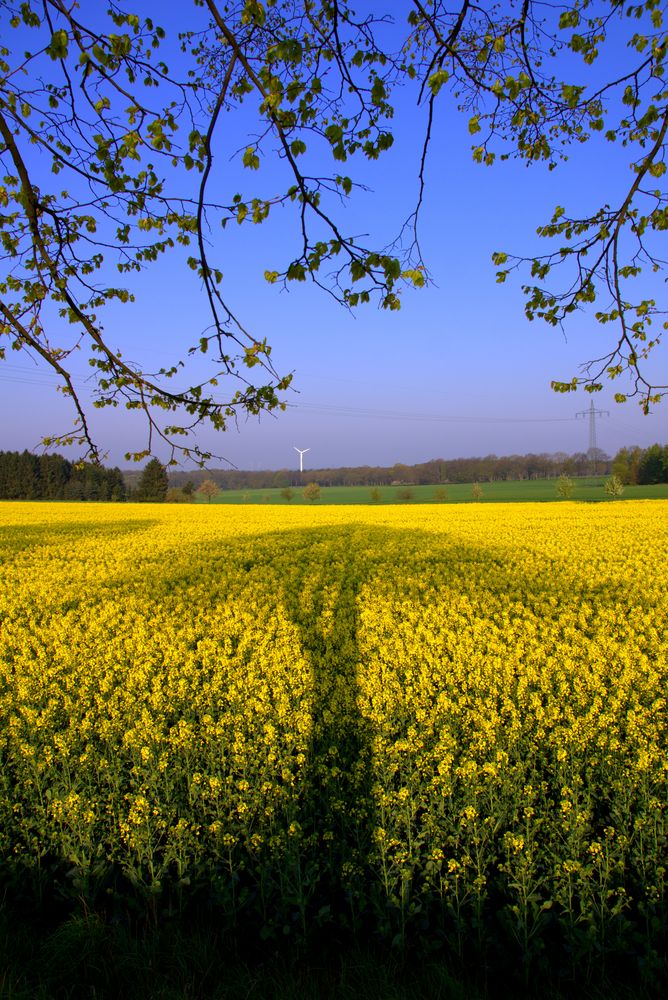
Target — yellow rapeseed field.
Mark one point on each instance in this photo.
(446, 721)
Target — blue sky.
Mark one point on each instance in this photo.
(458, 371)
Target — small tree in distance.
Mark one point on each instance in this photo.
(565, 487)
(476, 491)
(614, 487)
(287, 493)
(311, 492)
(375, 495)
(178, 496)
(208, 489)
(440, 494)
(153, 483)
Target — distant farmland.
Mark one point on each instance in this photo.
(532, 490)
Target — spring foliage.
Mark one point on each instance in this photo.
(107, 164)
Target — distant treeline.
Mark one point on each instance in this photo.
(644, 466)
(24, 476)
(632, 465)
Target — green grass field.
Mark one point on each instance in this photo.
(588, 489)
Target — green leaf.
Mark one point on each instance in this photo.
(378, 92)
(414, 275)
(296, 272)
(569, 19)
(57, 47)
(437, 79)
(251, 159)
(334, 133)
(571, 94)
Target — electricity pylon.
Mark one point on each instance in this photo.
(592, 413)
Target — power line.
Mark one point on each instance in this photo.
(29, 375)
(356, 411)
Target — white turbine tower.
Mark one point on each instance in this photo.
(302, 452)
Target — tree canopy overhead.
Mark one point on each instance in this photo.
(108, 162)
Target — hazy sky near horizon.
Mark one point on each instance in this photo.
(457, 371)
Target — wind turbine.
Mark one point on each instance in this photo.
(302, 452)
